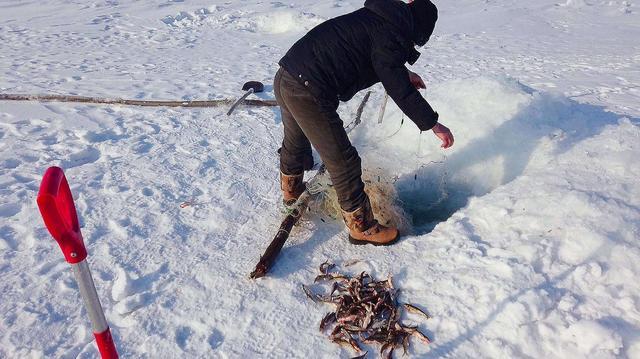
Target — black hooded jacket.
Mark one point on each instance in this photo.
(344, 55)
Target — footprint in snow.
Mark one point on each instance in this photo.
(193, 335)
(83, 157)
(133, 303)
(182, 336)
(8, 238)
(215, 339)
(121, 285)
(132, 294)
(9, 210)
(97, 137)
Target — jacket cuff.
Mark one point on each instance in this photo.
(428, 124)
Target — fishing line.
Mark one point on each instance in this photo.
(443, 193)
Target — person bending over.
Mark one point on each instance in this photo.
(331, 63)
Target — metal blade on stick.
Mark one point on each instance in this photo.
(250, 87)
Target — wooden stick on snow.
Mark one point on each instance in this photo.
(127, 102)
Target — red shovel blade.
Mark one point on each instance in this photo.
(59, 214)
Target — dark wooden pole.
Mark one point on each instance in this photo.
(127, 102)
(271, 253)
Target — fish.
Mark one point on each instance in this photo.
(376, 337)
(368, 317)
(328, 319)
(352, 328)
(341, 341)
(334, 288)
(336, 331)
(326, 267)
(390, 345)
(405, 344)
(422, 337)
(347, 319)
(361, 356)
(314, 297)
(354, 345)
(366, 311)
(328, 276)
(378, 324)
(364, 275)
(415, 310)
(409, 328)
(351, 262)
(348, 342)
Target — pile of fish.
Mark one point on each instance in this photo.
(366, 312)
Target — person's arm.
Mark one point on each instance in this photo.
(444, 134)
(416, 80)
(402, 84)
(395, 79)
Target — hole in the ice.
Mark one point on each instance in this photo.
(429, 198)
(502, 128)
(438, 189)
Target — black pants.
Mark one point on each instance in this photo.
(308, 121)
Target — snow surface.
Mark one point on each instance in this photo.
(526, 232)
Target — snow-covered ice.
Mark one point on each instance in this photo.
(526, 238)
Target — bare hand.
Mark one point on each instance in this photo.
(416, 80)
(444, 134)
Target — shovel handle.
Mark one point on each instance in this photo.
(101, 330)
(106, 347)
(59, 214)
(238, 101)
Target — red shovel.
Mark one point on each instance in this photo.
(59, 214)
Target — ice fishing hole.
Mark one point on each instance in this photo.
(429, 197)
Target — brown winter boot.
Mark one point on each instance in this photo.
(292, 187)
(364, 229)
